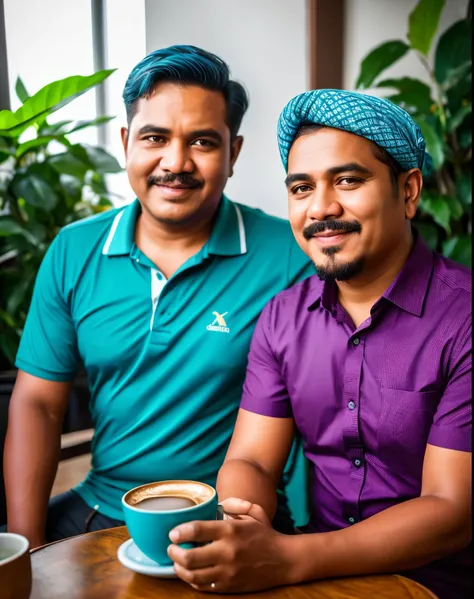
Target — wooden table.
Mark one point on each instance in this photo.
(86, 567)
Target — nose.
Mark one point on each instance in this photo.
(176, 159)
(324, 204)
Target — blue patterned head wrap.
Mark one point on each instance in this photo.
(376, 119)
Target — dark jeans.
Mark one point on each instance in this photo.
(69, 515)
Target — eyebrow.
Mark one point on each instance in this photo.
(350, 167)
(297, 177)
(155, 130)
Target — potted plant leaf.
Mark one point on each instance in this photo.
(442, 107)
(46, 182)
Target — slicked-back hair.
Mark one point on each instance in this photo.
(186, 65)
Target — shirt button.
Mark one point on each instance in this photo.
(357, 463)
(352, 520)
(159, 276)
(137, 259)
(351, 405)
(356, 341)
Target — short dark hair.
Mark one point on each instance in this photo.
(186, 65)
(394, 167)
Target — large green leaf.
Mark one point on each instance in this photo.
(458, 117)
(21, 92)
(67, 163)
(429, 232)
(459, 249)
(53, 128)
(35, 191)
(10, 227)
(414, 95)
(434, 142)
(438, 207)
(422, 24)
(46, 172)
(78, 125)
(380, 59)
(38, 142)
(455, 208)
(102, 161)
(47, 100)
(460, 74)
(453, 50)
(464, 188)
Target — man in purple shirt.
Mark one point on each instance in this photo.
(370, 361)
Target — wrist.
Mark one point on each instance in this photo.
(292, 560)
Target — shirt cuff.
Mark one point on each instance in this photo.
(264, 407)
(459, 439)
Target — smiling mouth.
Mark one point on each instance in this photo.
(172, 192)
(168, 186)
(328, 238)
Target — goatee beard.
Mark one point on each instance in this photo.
(340, 272)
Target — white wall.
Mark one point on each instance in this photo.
(125, 47)
(47, 41)
(369, 23)
(264, 44)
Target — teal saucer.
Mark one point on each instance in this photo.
(131, 557)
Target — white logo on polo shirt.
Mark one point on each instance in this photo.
(218, 324)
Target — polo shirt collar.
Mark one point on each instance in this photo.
(407, 291)
(121, 236)
(228, 237)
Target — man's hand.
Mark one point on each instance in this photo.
(240, 509)
(242, 554)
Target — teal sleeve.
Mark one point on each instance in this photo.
(48, 344)
(299, 265)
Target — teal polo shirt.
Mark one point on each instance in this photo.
(165, 359)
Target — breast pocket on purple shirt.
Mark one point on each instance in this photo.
(404, 426)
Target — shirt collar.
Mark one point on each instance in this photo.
(407, 291)
(227, 238)
(121, 237)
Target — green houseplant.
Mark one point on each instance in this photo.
(443, 110)
(46, 182)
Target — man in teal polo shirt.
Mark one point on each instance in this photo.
(157, 301)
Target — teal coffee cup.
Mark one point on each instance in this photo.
(151, 511)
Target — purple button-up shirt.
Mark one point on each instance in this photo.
(367, 400)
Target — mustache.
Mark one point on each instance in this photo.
(171, 178)
(331, 225)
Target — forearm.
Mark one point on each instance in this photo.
(31, 457)
(402, 537)
(245, 480)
